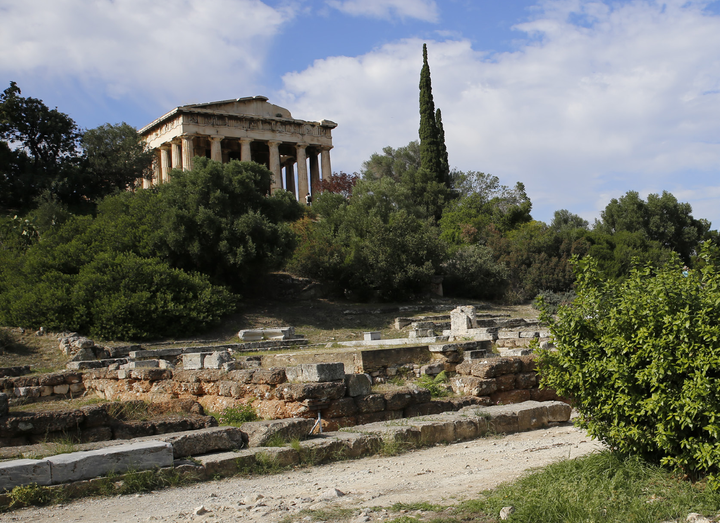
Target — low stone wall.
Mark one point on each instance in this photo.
(35, 387)
(341, 403)
(501, 380)
(95, 423)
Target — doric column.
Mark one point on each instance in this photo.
(215, 149)
(188, 151)
(176, 154)
(302, 172)
(245, 152)
(314, 172)
(147, 183)
(325, 159)
(164, 163)
(290, 177)
(275, 165)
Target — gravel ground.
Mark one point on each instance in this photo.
(443, 474)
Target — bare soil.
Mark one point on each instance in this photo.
(445, 474)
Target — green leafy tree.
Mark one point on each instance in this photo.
(399, 164)
(216, 219)
(661, 219)
(473, 272)
(38, 150)
(115, 157)
(639, 359)
(370, 245)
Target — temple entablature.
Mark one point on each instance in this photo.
(247, 129)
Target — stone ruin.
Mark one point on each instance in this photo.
(295, 397)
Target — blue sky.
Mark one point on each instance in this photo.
(580, 100)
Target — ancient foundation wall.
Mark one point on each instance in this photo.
(40, 386)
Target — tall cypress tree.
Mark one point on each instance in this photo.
(444, 163)
(430, 152)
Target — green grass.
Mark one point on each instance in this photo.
(598, 488)
(235, 416)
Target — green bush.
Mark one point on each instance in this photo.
(641, 361)
(472, 272)
(436, 386)
(551, 301)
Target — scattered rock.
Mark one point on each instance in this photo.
(199, 511)
(694, 517)
(331, 494)
(505, 512)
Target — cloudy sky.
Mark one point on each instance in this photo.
(580, 100)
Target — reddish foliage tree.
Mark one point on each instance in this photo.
(340, 183)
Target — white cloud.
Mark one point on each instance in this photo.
(419, 9)
(167, 50)
(599, 99)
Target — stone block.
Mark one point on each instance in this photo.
(260, 432)
(118, 459)
(144, 364)
(532, 416)
(76, 388)
(462, 319)
(543, 395)
(433, 432)
(473, 355)
(510, 396)
(371, 336)
(420, 396)
(421, 333)
(250, 335)
(193, 361)
(215, 360)
(325, 391)
(212, 439)
(506, 382)
(370, 403)
(24, 471)
(61, 389)
(274, 376)
(398, 399)
(358, 384)
(341, 408)
(426, 409)
(316, 372)
(558, 411)
(526, 380)
(432, 370)
(472, 386)
(46, 391)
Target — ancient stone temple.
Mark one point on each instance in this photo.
(247, 129)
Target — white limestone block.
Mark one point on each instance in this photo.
(119, 459)
(23, 472)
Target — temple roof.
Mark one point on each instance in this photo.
(257, 106)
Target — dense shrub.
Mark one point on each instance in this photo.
(116, 296)
(641, 361)
(550, 301)
(472, 272)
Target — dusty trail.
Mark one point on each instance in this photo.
(441, 474)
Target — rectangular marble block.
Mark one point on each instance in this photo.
(77, 466)
(23, 472)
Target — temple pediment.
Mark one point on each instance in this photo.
(251, 105)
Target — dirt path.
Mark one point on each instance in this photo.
(441, 474)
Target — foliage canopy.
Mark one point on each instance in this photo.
(639, 358)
